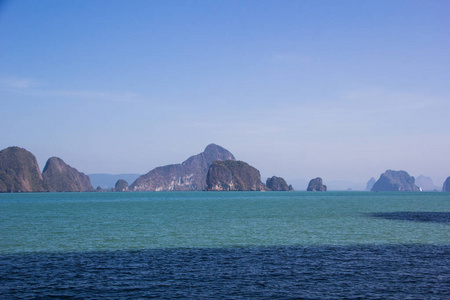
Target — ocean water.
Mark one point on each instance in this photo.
(227, 245)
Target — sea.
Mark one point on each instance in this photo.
(225, 245)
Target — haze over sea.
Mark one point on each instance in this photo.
(225, 245)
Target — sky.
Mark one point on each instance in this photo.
(343, 90)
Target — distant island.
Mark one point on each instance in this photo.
(394, 181)
(370, 184)
(214, 169)
(278, 184)
(316, 185)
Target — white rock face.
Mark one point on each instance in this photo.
(187, 176)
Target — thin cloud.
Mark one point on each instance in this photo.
(17, 83)
(32, 88)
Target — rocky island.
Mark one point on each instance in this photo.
(278, 184)
(316, 185)
(391, 181)
(19, 172)
(233, 175)
(121, 186)
(60, 177)
(187, 176)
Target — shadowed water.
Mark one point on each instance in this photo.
(370, 272)
(414, 216)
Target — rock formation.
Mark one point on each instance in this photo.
(121, 186)
(19, 172)
(187, 176)
(395, 181)
(278, 184)
(233, 175)
(61, 177)
(370, 183)
(446, 186)
(425, 183)
(316, 185)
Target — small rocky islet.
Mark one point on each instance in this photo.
(121, 186)
(278, 184)
(214, 169)
(316, 185)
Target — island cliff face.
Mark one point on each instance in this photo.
(446, 186)
(316, 185)
(61, 177)
(19, 172)
(187, 176)
(391, 181)
(278, 184)
(233, 176)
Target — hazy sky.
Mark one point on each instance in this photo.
(298, 89)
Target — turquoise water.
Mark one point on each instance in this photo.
(71, 222)
(225, 245)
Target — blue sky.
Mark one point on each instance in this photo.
(300, 89)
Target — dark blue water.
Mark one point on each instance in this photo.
(414, 216)
(309, 272)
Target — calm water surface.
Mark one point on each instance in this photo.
(225, 245)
